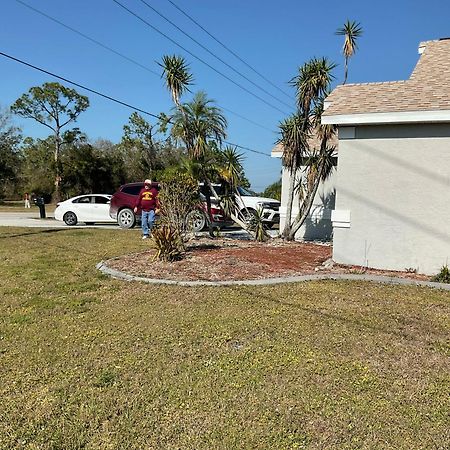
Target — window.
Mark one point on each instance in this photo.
(101, 200)
(86, 199)
(246, 192)
(217, 187)
(132, 190)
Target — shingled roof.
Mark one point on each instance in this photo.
(427, 90)
(313, 142)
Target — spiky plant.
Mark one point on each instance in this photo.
(167, 242)
(443, 276)
(177, 76)
(256, 224)
(351, 31)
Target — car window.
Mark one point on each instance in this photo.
(101, 200)
(132, 190)
(218, 188)
(86, 199)
(246, 192)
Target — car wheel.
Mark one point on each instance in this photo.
(126, 218)
(70, 218)
(196, 220)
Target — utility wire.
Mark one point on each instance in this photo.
(88, 38)
(213, 54)
(198, 58)
(142, 66)
(228, 49)
(120, 102)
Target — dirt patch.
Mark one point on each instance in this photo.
(230, 260)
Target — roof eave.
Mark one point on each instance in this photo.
(399, 117)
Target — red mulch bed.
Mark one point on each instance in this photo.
(227, 259)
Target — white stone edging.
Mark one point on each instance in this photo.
(106, 270)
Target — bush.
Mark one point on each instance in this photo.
(443, 276)
(168, 244)
(178, 196)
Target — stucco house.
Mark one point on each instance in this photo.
(392, 207)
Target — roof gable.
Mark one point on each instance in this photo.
(427, 90)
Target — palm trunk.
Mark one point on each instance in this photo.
(209, 213)
(233, 216)
(306, 207)
(345, 71)
(287, 223)
(307, 203)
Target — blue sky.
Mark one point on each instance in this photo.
(275, 37)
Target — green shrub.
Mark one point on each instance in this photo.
(443, 276)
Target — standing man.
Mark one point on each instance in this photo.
(148, 202)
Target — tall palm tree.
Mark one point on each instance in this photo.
(319, 165)
(311, 84)
(293, 138)
(351, 32)
(198, 123)
(177, 76)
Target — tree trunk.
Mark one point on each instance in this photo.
(345, 71)
(57, 192)
(233, 216)
(307, 203)
(208, 212)
(287, 224)
(305, 207)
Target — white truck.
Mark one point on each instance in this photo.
(248, 202)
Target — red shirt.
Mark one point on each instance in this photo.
(147, 199)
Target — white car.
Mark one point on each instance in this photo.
(90, 209)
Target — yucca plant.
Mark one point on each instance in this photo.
(443, 276)
(256, 224)
(167, 242)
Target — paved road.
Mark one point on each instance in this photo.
(31, 220)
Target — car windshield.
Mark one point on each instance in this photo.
(246, 192)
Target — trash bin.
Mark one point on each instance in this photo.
(39, 202)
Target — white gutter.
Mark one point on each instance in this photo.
(391, 117)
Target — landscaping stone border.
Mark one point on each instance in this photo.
(105, 269)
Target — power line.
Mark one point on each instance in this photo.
(85, 36)
(120, 102)
(198, 58)
(142, 66)
(248, 149)
(228, 49)
(108, 97)
(213, 54)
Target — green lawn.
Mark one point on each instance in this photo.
(94, 363)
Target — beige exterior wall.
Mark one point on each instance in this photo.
(395, 183)
(318, 225)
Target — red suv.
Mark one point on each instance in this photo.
(123, 201)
